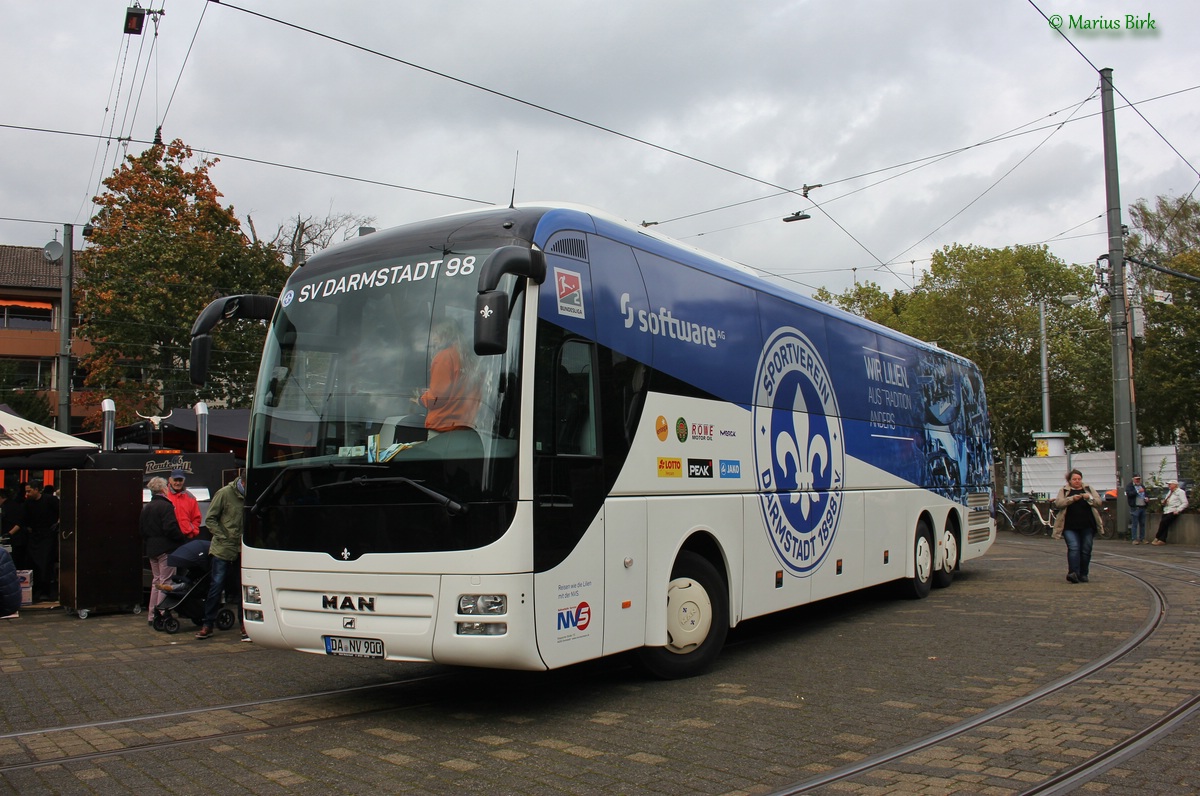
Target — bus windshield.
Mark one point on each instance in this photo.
(370, 368)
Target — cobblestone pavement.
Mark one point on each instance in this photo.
(793, 696)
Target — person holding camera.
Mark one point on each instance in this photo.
(1078, 521)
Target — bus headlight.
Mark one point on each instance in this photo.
(251, 595)
(486, 604)
(482, 628)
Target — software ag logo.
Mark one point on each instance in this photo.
(799, 451)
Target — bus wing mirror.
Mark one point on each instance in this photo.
(491, 322)
(198, 361)
(248, 307)
(491, 305)
(512, 260)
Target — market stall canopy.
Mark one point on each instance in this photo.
(25, 445)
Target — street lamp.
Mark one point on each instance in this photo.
(1050, 437)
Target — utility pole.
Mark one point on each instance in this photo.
(64, 333)
(1124, 431)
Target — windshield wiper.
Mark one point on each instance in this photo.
(260, 505)
(452, 506)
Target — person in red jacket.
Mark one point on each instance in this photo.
(187, 510)
(452, 400)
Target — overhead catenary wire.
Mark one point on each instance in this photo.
(510, 97)
(1058, 29)
(264, 162)
(929, 160)
(1002, 177)
(136, 104)
(782, 190)
(162, 120)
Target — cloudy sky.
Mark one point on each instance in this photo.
(696, 114)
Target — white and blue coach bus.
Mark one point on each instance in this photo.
(662, 445)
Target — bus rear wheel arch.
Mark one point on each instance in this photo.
(697, 606)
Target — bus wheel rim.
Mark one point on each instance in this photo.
(924, 562)
(689, 615)
(950, 559)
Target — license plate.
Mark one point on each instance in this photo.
(353, 647)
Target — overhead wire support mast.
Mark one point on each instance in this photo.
(1124, 423)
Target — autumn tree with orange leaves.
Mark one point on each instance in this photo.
(162, 248)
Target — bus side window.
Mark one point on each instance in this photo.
(626, 391)
(575, 400)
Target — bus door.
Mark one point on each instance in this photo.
(568, 483)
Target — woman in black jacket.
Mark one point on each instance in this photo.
(161, 534)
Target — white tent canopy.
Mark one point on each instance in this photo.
(28, 445)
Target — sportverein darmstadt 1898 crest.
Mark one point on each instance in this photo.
(799, 450)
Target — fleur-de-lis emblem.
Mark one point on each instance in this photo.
(808, 455)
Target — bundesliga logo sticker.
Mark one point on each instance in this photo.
(799, 451)
(570, 292)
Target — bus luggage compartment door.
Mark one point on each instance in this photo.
(624, 574)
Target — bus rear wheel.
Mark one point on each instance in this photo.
(919, 584)
(943, 576)
(697, 621)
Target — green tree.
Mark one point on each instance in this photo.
(1164, 366)
(1166, 363)
(163, 247)
(867, 300)
(1165, 231)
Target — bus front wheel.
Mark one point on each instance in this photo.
(697, 621)
(923, 557)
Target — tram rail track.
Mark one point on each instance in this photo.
(1070, 778)
(153, 723)
(565, 724)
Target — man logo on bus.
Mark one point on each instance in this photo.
(799, 453)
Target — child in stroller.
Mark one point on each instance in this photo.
(186, 595)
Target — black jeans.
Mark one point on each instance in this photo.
(1164, 525)
(41, 557)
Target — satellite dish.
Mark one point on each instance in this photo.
(52, 251)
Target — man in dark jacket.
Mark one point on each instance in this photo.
(224, 522)
(40, 523)
(160, 532)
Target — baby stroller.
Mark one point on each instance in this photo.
(187, 593)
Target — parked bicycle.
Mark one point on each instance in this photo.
(1040, 523)
(1017, 515)
(1107, 529)
(1031, 521)
(1108, 522)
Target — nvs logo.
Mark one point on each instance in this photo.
(799, 453)
(578, 617)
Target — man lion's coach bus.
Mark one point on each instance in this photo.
(651, 445)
